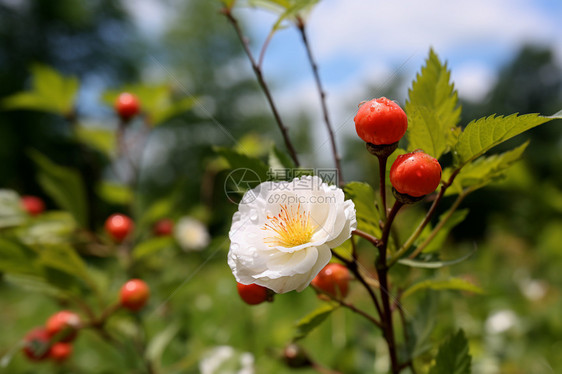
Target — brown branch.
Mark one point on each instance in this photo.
(322, 94)
(259, 75)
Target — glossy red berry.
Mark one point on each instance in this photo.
(253, 294)
(127, 106)
(60, 351)
(63, 326)
(381, 121)
(33, 205)
(134, 294)
(164, 227)
(333, 279)
(415, 174)
(36, 344)
(119, 226)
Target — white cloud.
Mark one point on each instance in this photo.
(473, 80)
(375, 28)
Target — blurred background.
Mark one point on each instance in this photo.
(505, 57)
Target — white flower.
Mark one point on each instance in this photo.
(191, 234)
(225, 360)
(283, 231)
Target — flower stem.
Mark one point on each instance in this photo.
(259, 75)
(382, 271)
(322, 94)
(382, 183)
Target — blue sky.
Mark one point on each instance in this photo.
(360, 42)
(368, 41)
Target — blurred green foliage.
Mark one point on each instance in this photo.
(517, 222)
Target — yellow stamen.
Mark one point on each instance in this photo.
(291, 227)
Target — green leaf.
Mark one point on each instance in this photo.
(433, 113)
(313, 320)
(53, 227)
(99, 138)
(421, 325)
(114, 193)
(11, 212)
(434, 264)
(279, 160)
(156, 101)
(63, 258)
(368, 215)
(152, 246)
(158, 344)
(437, 243)
(484, 170)
(238, 160)
(51, 92)
(64, 185)
(458, 284)
(33, 283)
(17, 258)
(481, 135)
(453, 356)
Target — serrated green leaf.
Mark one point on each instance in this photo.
(484, 170)
(313, 320)
(420, 326)
(51, 92)
(368, 216)
(458, 284)
(453, 356)
(433, 113)
(64, 185)
(437, 243)
(485, 133)
(151, 246)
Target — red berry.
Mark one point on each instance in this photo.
(134, 294)
(253, 294)
(164, 227)
(127, 106)
(333, 279)
(60, 351)
(32, 205)
(36, 344)
(119, 226)
(63, 326)
(415, 174)
(380, 121)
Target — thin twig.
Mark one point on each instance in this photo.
(382, 271)
(349, 306)
(368, 237)
(440, 225)
(322, 94)
(257, 70)
(352, 266)
(382, 183)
